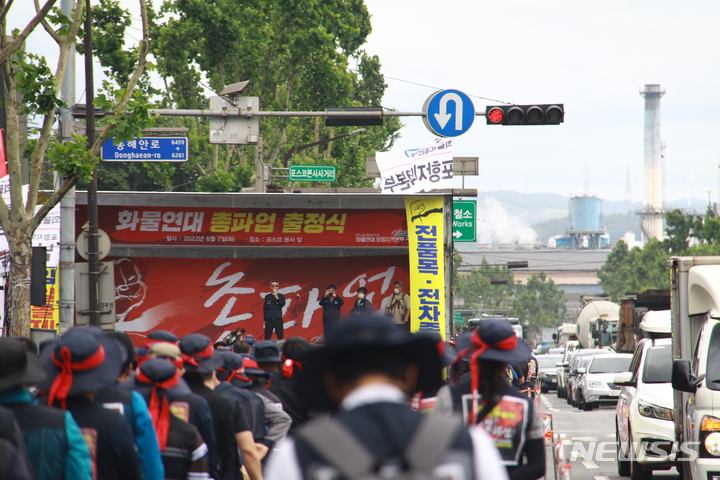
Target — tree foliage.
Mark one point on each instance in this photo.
(298, 56)
(538, 303)
(28, 76)
(635, 270)
(632, 271)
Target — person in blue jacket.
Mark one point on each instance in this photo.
(53, 440)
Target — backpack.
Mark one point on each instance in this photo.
(337, 446)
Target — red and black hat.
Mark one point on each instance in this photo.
(491, 340)
(82, 360)
(251, 367)
(364, 334)
(162, 375)
(198, 354)
(232, 369)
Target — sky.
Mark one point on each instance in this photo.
(594, 57)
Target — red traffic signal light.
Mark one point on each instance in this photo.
(550, 114)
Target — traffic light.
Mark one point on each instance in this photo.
(343, 117)
(552, 114)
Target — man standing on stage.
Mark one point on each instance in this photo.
(274, 303)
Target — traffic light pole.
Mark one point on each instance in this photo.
(216, 113)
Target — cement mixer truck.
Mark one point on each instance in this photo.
(595, 325)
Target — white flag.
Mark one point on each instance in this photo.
(417, 169)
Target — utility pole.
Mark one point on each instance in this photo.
(261, 178)
(93, 235)
(66, 301)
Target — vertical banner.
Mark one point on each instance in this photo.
(425, 221)
(47, 317)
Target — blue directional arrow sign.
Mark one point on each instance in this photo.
(448, 113)
(148, 149)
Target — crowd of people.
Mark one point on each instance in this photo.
(371, 403)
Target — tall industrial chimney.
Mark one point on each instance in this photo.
(652, 210)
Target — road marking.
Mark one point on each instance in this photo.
(547, 403)
(589, 465)
(600, 477)
(585, 439)
(562, 435)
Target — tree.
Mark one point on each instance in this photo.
(475, 286)
(633, 271)
(539, 303)
(28, 75)
(298, 56)
(680, 228)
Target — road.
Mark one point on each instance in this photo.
(589, 438)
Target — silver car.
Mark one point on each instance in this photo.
(548, 371)
(597, 387)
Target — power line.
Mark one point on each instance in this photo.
(436, 88)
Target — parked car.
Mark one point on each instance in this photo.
(598, 380)
(564, 371)
(644, 413)
(577, 370)
(548, 371)
(563, 367)
(543, 349)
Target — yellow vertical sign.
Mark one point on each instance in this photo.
(425, 221)
(47, 317)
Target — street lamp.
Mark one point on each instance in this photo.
(299, 148)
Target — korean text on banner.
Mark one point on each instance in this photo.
(427, 263)
(417, 169)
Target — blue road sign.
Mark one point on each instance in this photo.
(448, 113)
(148, 149)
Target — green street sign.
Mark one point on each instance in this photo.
(458, 317)
(463, 221)
(312, 173)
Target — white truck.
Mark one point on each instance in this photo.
(695, 299)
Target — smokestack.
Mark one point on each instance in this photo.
(652, 210)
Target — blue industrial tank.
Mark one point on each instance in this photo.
(585, 214)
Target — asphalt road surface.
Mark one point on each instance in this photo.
(589, 441)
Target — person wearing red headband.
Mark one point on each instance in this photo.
(364, 375)
(232, 430)
(487, 399)
(283, 383)
(183, 451)
(186, 405)
(268, 422)
(133, 407)
(78, 364)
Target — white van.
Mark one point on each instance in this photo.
(644, 428)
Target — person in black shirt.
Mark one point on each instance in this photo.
(274, 303)
(331, 304)
(184, 453)
(283, 381)
(362, 304)
(232, 430)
